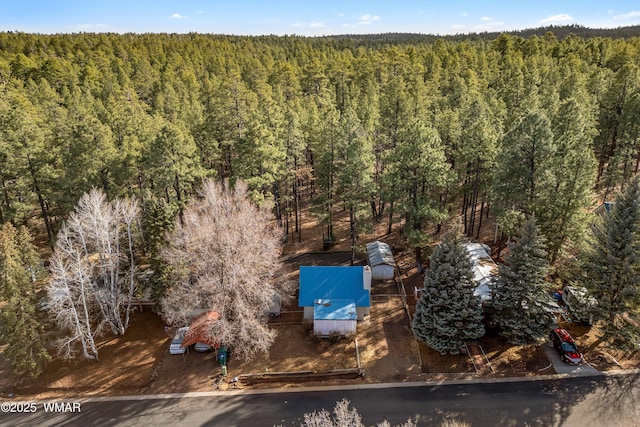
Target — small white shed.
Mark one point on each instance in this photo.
(381, 260)
(484, 269)
(334, 316)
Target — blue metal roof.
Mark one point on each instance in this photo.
(334, 309)
(323, 282)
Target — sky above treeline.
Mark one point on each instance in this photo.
(308, 18)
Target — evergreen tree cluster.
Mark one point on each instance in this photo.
(448, 314)
(393, 129)
(20, 327)
(611, 269)
(518, 307)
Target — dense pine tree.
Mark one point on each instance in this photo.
(20, 326)
(158, 219)
(612, 268)
(448, 314)
(354, 177)
(520, 291)
(421, 173)
(156, 112)
(523, 171)
(574, 170)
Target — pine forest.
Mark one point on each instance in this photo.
(400, 131)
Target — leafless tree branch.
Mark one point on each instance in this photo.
(90, 278)
(223, 257)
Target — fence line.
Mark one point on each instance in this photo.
(403, 295)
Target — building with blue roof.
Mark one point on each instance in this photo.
(329, 284)
(331, 316)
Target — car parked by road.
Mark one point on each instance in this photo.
(566, 346)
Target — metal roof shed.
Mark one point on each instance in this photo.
(334, 316)
(381, 260)
(484, 269)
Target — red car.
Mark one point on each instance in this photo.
(565, 345)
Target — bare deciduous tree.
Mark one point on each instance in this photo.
(223, 256)
(71, 298)
(92, 274)
(344, 416)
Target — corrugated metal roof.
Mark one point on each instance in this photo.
(484, 269)
(379, 253)
(324, 282)
(198, 328)
(334, 309)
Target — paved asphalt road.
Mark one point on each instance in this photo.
(577, 401)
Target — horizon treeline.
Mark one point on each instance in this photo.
(411, 132)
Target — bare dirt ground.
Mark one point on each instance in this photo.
(125, 365)
(383, 351)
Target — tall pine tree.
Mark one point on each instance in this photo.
(574, 170)
(20, 326)
(520, 291)
(523, 176)
(612, 268)
(354, 178)
(421, 173)
(448, 314)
